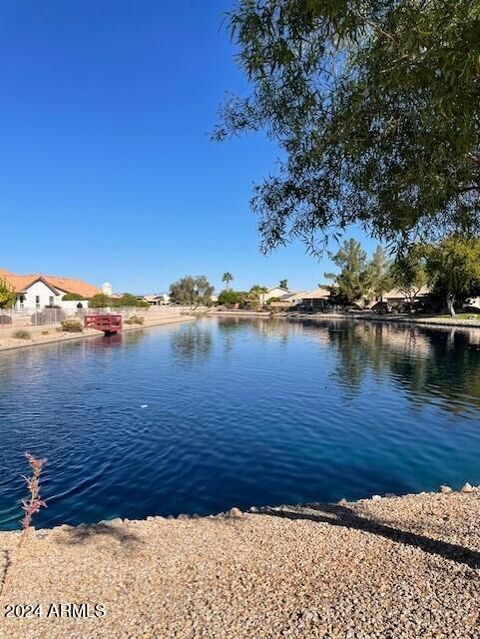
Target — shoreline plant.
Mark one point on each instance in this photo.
(30, 506)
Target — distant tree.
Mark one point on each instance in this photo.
(127, 299)
(191, 290)
(7, 295)
(100, 300)
(375, 106)
(227, 278)
(283, 284)
(453, 269)
(254, 295)
(379, 280)
(230, 298)
(351, 283)
(408, 272)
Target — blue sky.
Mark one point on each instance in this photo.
(107, 171)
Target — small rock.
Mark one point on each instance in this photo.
(253, 509)
(235, 513)
(376, 497)
(466, 488)
(343, 502)
(183, 516)
(446, 490)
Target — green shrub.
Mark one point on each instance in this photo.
(72, 326)
(72, 297)
(22, 335)
(99, 301)
(44, 332)
(135, 319)
(128, 299)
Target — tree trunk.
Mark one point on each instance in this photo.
(450, 301)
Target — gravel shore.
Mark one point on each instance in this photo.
(404, 567)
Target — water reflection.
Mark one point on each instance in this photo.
(192, 343)
(441, 366)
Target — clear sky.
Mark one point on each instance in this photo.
(107, 171)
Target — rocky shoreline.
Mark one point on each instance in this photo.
(403, 567)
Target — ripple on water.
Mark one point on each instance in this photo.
(198, 417)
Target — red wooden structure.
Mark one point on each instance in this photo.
(109, 324)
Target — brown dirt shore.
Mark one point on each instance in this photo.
(49, 334)
(398, 567)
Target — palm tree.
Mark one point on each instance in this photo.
(227, 278)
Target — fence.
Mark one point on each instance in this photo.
(10, 318)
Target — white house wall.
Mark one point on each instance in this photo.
(45, 297)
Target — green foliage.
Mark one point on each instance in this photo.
(352, 282)
(22, 335)
(375, 106)
(72, 326)
(408, 272)
(72, 297)
(191, 291)
(453, 269)
(7, 295)
(99, 301)
(253, 298)
(379, 279)
(227, 278)
(128, 300)
(283, 284)
(230, 298)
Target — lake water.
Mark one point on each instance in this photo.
(198, 417)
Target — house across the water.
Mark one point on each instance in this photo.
(37, 291)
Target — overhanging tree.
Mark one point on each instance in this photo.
(375, 105)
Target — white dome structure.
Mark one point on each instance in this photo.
(107, 289)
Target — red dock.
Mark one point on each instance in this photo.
(109, 324)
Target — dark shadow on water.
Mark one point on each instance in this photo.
(83, 534)
(337, 515)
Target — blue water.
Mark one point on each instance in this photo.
(198, 417)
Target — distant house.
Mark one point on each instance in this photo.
(397, 297)
(156, 299)
(289, 300)
(317, 299)
(274, 292)
(35, 291)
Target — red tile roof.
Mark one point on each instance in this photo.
(62, 284)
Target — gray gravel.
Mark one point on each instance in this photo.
(389, 567)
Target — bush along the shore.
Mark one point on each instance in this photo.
(22, 335)
(135, 319)
(72, 326)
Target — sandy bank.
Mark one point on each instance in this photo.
(403, 567)
(49, 334)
